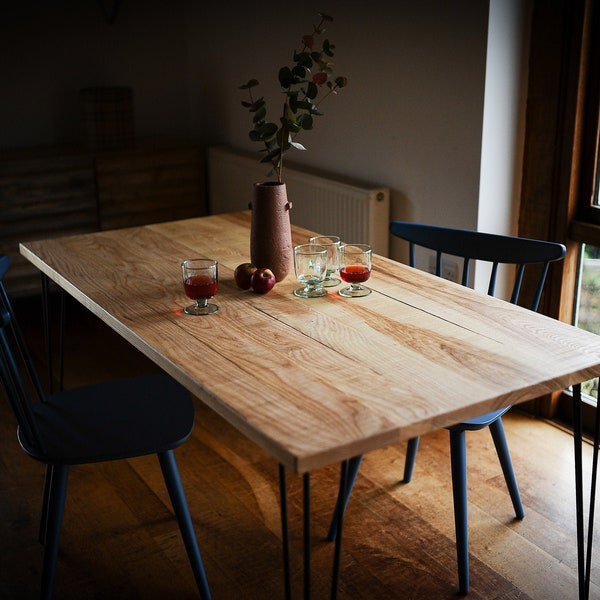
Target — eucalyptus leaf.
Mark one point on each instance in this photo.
(286, 78)
(260, 114)
(288, 114)
(268, 130)
(306, 121)
(299, 73)
(305, 60)
(252, 83)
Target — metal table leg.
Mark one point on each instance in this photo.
(285, 537)
(339, 521)
(339, 525)
(287, 580)
(584, 551)
(306, 510)
(48, 334)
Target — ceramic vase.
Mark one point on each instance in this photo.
(270, 230)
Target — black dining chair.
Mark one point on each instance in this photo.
(150, 414)
(470, 246)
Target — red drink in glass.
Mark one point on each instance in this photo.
(355, 263)
(355, 273)
(200, 286)
(200, 282)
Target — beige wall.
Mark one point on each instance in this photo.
(411, 118)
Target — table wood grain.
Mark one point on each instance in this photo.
(316, 381)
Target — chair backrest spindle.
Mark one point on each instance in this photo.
(16, 330)
(466, 270)
(14, 385)
(478, 246)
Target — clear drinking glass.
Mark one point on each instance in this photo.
(355, 269)
(310, 264)
(200, 282)
(333, 244)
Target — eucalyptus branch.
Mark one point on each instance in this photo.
(301, 88)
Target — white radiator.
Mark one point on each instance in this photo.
(328, 205)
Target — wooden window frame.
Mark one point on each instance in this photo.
(557, 158)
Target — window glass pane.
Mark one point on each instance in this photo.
(587, 314)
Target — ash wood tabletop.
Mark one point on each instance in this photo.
(316, 381)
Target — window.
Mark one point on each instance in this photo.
(585, 226)
(587, 310)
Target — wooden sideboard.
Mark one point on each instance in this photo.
(57, 191)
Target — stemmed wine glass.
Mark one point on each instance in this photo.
(200, 282)
(332, 243)
(355, 268)
(310, 264)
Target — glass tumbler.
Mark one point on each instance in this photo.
(333, 244)
(310, 264)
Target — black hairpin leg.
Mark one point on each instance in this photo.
(285, 537)
(306, 509)
(348, 474)
(48, 340)
(48, 337)
(592, 502)
(337, 525)
(48, 334)
(307, 537)
(61, 342)
(584, 554)
(594, 479)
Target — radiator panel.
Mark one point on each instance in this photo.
(326, 204)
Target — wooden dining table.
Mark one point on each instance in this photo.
(318, 381)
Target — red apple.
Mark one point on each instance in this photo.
(243, 275)
(262, 280)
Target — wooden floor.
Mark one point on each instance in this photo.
(120, 540)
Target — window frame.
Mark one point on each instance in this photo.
(556, 159)
(584, 227)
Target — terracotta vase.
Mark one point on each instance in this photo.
(270, 231)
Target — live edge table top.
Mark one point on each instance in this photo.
(316, 381)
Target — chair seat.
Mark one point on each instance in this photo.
(113, 420)
(479, 422)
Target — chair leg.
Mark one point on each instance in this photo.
(458, 460)
(411, 457)
(59, 475)
(343, 495)
(45, 500)
(499, 437)
(179, 502)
